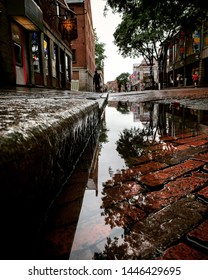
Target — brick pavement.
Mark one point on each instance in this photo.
(167, 192)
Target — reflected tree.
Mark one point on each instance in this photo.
(123, 107)
(131, 142)
(113, 251)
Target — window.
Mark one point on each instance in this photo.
(73, 56)
(46, 61)
(67, 67)
(55, 69)
(35, 52)
(196, 41)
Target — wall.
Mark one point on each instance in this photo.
(83, 46)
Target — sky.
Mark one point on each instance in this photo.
(105, 26)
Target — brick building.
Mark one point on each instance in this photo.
(141, 76)
(83, 48)
(35, 43)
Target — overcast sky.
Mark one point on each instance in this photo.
(105, 26)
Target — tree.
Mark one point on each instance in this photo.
(123, 79)
(146, 24)
(99, 52)
(186, 10)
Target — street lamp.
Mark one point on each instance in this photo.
(69, 28)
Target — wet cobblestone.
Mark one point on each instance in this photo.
(182, 252)
(170, 173)
(172, 192)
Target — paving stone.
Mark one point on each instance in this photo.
(170, 173)
(180, 138)
(158, 231)
(182, 252)
(191, 139)
(203, 194)
(172, 191)
(182, 153)
(200, 233)
(148, 167)
(203, 157)
(197, 143)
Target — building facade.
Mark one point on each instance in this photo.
(140, 79)
(35, 43)
(187, 54)
(83, 48)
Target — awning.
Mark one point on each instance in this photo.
(27, 13)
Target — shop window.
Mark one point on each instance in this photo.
(46, 61)
(35, 52)
(68, 68)
(55, 69)
(196, 41)
(18, 54)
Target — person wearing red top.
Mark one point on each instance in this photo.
(195, 78)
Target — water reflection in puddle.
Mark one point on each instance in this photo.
(134, 134)
(147, 134)
(92, 229)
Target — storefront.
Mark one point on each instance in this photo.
(40, 55)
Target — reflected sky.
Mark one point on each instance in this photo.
(91, 230)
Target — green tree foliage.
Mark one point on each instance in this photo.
(184, 11)
(99, 52)
(147, 22)
(123, 78)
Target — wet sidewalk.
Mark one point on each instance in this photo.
(162, 200)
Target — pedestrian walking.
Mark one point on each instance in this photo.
(195, 78)
(96, 81)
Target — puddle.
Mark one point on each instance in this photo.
(144, 149)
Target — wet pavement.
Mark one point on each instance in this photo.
(156, 203)
(160, 198)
